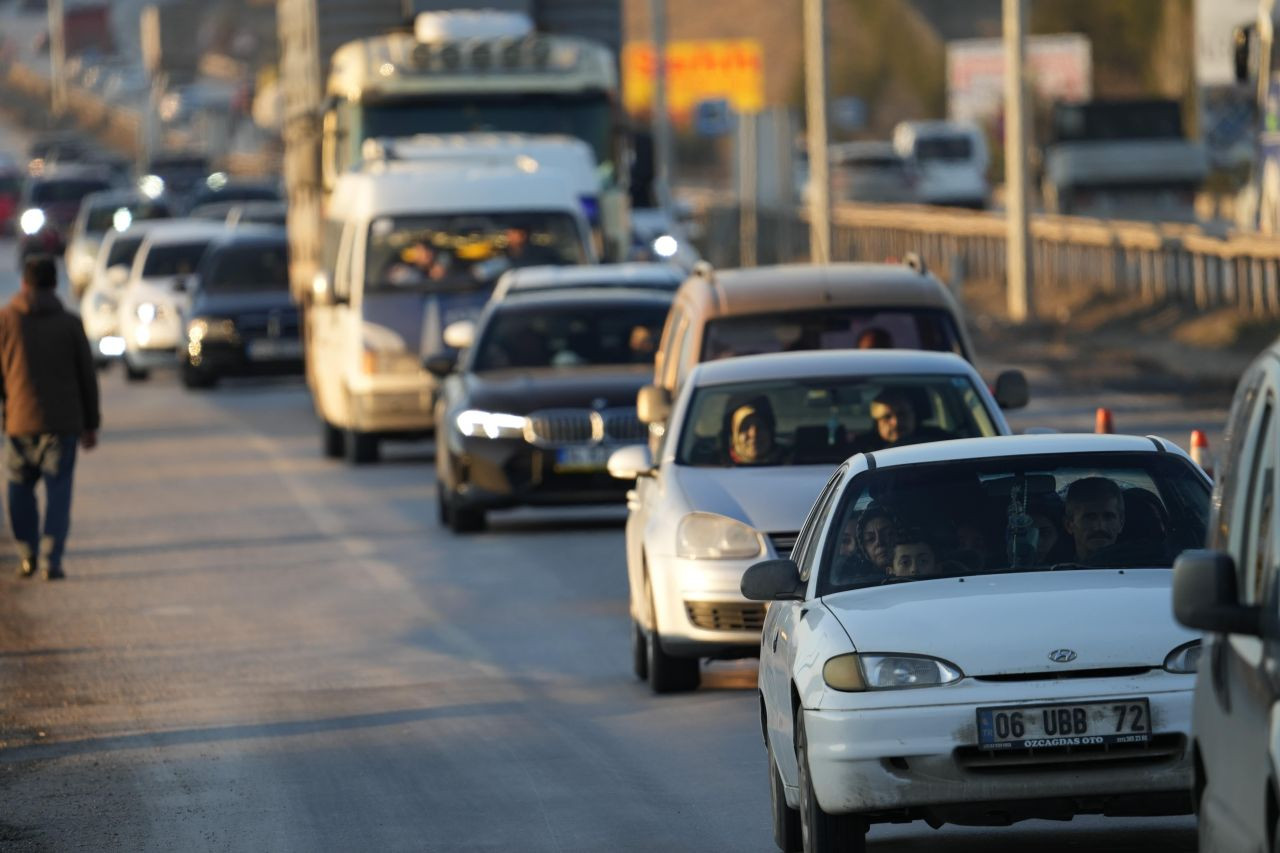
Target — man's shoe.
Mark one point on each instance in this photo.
(54, 573)
(26, 568)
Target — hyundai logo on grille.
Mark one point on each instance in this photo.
(1062, 656)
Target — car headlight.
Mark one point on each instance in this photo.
(31, 221)
(1184, 659)
(474, 423)
(707, 536)
(205, 329)
(666, 246)
(853, 673)
(146, 312)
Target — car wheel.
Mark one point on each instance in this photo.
(465, 520)
(360, 448)
(639, 651)
(135, 374)
(442, 505)
(821, 832)
(331, 440)
(667, 673)
(195, 379)
(786, 820)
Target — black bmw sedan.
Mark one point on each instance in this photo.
(242, 321)
(544, 392)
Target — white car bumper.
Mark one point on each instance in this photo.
(924, 757)
(700, 608)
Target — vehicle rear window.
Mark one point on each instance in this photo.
(174, 258)
(823, 421)
(55, 192)
(570, 336)
(1015, 514)
(832, 328)
(245, 269)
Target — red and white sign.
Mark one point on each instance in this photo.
(1060, 67)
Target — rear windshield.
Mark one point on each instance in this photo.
(832, 328)
(1015, 514)
(825, 421)
(247, 269)
(173, 259)
(570, 336)
(55, 192)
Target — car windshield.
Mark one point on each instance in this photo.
(56, 192)
(831, 328)
(570, 335)
(944, 148)
(247, 269)
(122, 251)
(1015, 514)
(108, 216)
(466, 252)
(825, 421)
(173, 258)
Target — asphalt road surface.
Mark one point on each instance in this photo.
(259, 649)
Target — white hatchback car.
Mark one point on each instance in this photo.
(100, 304)
(157, 297)
(1013, 656)
(723, 494)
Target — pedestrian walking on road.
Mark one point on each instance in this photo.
(50, 390)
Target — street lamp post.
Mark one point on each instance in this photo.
(57, 59)
(815, 85)
(1018, 260)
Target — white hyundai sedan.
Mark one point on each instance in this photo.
(1012, 654)
(751, 443)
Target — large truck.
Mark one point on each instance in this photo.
(352, 70)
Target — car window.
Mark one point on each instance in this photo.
(568, 336)
(685, 360)
(805, 551)
(1255, 544)
(123, 250)
(1230, 485)
(1015, 514)
(669, 330)
(823, 421)
(119, 216)
(831, 328)
(174, 258)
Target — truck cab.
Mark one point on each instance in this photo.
(410, 247)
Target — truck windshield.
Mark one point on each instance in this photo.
(586, 117)
(832, 328)
(467, 251)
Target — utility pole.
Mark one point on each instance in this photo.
(1018, 260)
(815, 86)
(57, 60)
(661, 119)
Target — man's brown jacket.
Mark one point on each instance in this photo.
(47, 376)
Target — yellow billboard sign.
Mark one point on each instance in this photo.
(697, 71)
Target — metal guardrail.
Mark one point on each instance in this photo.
(1158, 262)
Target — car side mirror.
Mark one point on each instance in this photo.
(630, 462)
(440, 365)
(117, 275)
(460, 334)
(1205, 597)
(1011, 390)
(773, 580)
(653, 404)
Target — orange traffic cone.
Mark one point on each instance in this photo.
(1102, 422)
(1200, 453)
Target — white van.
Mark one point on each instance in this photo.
(950, 159)
(411, 246)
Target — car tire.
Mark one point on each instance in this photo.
(331, 440)
(667, 673)
(360, 448)
(639, 651)
(786, 820)
(135, 374)
(195, 379)
(821, 832)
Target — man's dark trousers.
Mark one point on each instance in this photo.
(29, 459)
